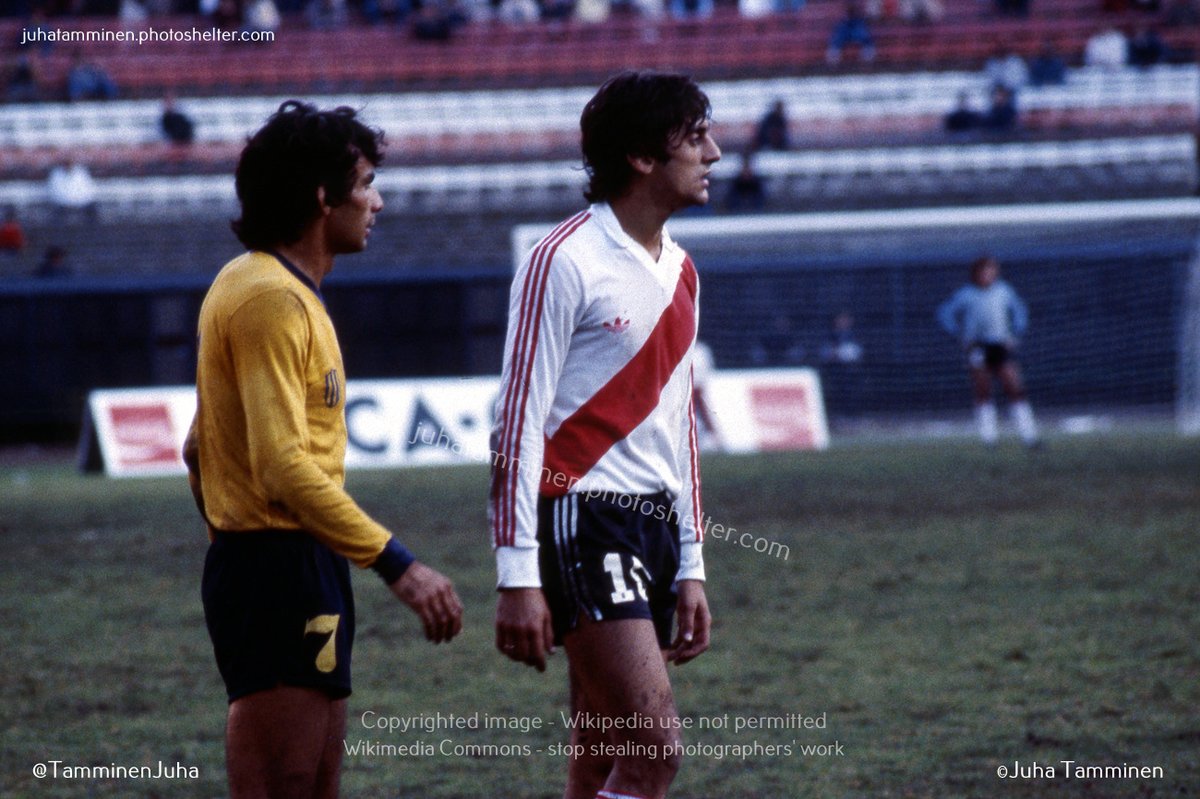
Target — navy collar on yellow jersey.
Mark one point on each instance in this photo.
(295, 270)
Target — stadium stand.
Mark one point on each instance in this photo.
(484, 128)
(463, 213)
(493, 55)
(123, 137)
(551, 186)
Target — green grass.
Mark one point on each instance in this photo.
(947, 609)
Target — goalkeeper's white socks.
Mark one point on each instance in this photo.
(985, 419)
(1022, 417)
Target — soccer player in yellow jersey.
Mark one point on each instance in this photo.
(265, 458)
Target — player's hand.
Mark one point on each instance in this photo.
(431, 596)
(695, 622)
(523, 629)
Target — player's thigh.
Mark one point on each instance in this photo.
(619, 668)
(981, 381)
(330, 770)
(279, 739)
(1010, 378)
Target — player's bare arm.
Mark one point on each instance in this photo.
(523, 629)
(695, 623)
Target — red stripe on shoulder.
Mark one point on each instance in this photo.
(521, 358)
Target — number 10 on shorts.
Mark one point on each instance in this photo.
(622, 593)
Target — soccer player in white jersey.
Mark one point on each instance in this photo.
(595, 500)
(989, 317)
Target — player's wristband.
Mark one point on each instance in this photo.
(393, 561)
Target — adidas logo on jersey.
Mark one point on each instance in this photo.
(617, 325)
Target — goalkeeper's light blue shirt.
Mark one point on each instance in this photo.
(989, 315)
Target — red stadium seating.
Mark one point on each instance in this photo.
(496, 55)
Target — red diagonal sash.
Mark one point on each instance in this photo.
(628, 398)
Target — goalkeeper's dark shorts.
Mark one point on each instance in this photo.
(987, 354)
(280, 611)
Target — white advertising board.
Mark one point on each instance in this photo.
(397, 423)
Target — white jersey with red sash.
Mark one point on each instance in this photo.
(596, 392)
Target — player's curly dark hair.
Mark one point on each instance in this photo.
(635, 114)
(298, 150)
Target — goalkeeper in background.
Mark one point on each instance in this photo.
(989, 317)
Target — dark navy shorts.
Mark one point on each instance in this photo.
(280, 611)
(609, 557)
(984, 354)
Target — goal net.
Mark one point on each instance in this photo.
(1113, 291)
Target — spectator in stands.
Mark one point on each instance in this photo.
(1001, 116)
(518, 12)
(747, 191)
(12, 235)
(132, 14)
(964, 118)
(852, 29)
(651, 11)
(922, 11)
(777, 346)
(1146, 47)
(691, 9)
(843, 380)
(22, 82)
(772, 133)
(842, 346)
(53, 263)
(1016, 8)
(176, 125)
(261, 16)
(433, 22)
(35, 23)
(87, 80)
(989, 317)
(227, 15)
(1006, 68)
(326, 15)
(1048, 68)
(556, 10)
(755, 9)
(72, 191)
(1107, 49)
(593, 11)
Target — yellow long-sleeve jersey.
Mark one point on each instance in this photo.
(270, 424)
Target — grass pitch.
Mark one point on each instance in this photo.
(942, 610)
